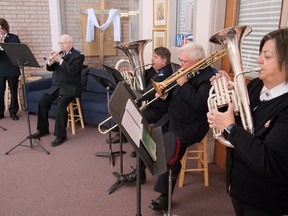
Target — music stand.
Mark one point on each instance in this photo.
(119, 175)
(118, 107)
(110, 87)
(20, 55)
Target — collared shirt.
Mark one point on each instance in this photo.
(268, 94)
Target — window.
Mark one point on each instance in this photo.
(263, 17)
(185, 21)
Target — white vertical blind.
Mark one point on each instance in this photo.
(263, 17)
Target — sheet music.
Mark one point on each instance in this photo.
(132, 122)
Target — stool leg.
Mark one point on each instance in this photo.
(183, 168)
(80, 112)
(205, 158)
(72, 121)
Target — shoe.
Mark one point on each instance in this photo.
(132, 177)
(39, 134)
(58, 141)
(160, 204)
(133, 154)
(1, 116)
(116, 139)
(14, 117)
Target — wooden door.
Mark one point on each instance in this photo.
(230, 20)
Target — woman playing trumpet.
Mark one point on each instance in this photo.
(257, 166)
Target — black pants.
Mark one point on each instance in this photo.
(61, 116)
(13, 86)
(242, 209)
(162, 183)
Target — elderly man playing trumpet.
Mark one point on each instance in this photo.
(66, 87)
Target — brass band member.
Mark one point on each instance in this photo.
(8, 72)
(257, 166)
(187, 114)
(67, 86)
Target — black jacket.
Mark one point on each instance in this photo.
(257, 168)
(6, 66)
(188, 108)
(68, 74)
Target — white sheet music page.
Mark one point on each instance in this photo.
(132, 122)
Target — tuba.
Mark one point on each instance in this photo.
(219, 94)
(134, 50)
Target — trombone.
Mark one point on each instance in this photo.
(162, 87)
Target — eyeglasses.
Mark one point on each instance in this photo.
(184, 61)
(62, 43)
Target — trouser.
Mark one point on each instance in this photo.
(242, 209)
(162, 182)
(61, 116)
(13, 87)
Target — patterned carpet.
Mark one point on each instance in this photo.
(72, 181)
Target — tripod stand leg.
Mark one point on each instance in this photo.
(3, 128)
(31, 145)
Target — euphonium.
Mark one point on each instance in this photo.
(134, 50)
(231, 39)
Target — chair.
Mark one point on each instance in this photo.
(75, 114)
(199, 154)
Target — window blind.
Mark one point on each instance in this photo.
(263, 17)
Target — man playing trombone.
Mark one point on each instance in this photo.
(66, 87)
(187, 113)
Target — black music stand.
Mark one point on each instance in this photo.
(121, 180)
(117, 107)
(20, 55)
(110, 87)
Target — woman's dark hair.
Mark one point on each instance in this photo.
(4, 24)
(280, 37)
(164, 53)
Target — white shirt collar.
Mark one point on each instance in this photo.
(268, 94)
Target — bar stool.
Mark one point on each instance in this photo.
(199, 154)
(75, 114)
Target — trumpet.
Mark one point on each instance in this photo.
(162, 87)
(50, 61)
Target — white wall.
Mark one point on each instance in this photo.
(209, 14)
(55, 22)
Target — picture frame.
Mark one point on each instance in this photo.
(159, 38)
(159, 13)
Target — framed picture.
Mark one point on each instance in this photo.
(159, 38)
(159, 13)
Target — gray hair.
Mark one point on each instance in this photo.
(193, 50)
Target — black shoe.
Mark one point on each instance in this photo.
(14, 117)
(1, 116)
(39, 134)
(133, 154)
(116, 139)
(58, 141)
(160, 204)
(132, 177)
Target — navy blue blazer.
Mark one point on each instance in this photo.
(68, 74)
(6, 66)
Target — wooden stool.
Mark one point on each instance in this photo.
(199, 154)
(75, 116)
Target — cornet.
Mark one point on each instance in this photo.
(49, 61)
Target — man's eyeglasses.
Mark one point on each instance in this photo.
(61, 43)
(183, 61)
